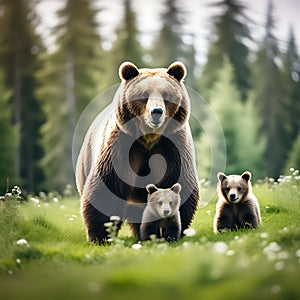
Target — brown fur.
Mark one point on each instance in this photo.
(106, 191)
(154, 221)
(237, 206)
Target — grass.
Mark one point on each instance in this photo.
(58, 263)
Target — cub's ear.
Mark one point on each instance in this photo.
(151, 188)
(176, 188)
(177, 70)
(246, 175)
(221, 176)
(128, 70)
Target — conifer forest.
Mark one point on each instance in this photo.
(251, 83)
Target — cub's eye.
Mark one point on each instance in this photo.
(145, 96)
(165, 95)
(171, 202)
(239, 189)
(227, 190)
(160, 203)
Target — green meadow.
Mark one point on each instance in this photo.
(44, 253)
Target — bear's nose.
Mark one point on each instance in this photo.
(232, 196)
(166, 212)
(156, 113)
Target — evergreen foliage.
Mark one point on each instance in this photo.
(291, 80)
(257, 102)
(9, 139)
(240, 127)
(170, 45)
(270, 99)
(293, 160)
(229, 36)
(70, 79)
(126, 47)
(20, 45)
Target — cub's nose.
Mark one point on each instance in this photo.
(232, 196)
(156, 113)
(166, 212)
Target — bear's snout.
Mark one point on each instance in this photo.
(232, 197)
(166, 212)
(156, 113)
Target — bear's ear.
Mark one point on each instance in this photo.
(176, 188)
(128, 71)
(177, 70)
(151, 188)
(221, 176)
(246, 175)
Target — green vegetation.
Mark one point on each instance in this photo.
(43, 253)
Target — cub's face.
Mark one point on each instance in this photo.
(150, 98)
(234, 187)
(164, 202)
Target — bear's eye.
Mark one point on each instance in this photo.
(227, 190)
(145, 96)
(239, 189)
(171, 202)
(160, 203)
(165, 95)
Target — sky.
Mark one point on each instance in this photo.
(286, 13)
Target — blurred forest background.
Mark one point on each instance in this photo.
(252, 85)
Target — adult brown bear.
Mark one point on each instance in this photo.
(145, 139)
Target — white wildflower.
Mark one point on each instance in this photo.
(264, 235)
(115, 218)
(220, 247)
(22, 242)
(35, 201)
(189, 232)
(230, 253)
(136, 246)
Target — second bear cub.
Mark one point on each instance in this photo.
(161, 216)
(237, 206)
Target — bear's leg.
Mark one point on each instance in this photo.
(136, 227)
(172, 230)
(94, 221)
(188, 209)
(249, 221)
(224, 222)
(134, 213)
(148, 229)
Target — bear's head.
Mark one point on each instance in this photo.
(152, 101)
(163, 202)
(234, 188)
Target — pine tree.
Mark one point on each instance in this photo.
(70, 80)
(229, 37)
(270, 100)
(9, 139)
(293, 160)
(240, 127)
(20, 45)
(126, 46)
(291, 79)
(170, 44)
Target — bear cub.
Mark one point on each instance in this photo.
(237, 206)
(161, 216)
